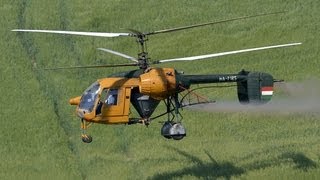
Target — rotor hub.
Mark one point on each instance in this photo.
(143, 60)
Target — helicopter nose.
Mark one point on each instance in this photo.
(75, 101)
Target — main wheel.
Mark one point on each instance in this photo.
(178, 137)
(177, 131)
(165, 130)
(86, 138)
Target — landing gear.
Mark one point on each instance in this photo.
(86, 138)
(173, 128)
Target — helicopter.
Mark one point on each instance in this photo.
(108, 100)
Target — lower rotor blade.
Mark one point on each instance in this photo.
(192, 58)
(119, 54)
(93, 66)
(98, 34)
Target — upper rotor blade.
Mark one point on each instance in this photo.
(98, 34)
(119, 54)
(209, 23)
(93, 66)
(227, 53)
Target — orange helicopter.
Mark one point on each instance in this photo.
(108, 100)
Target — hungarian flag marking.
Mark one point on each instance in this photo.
(266, 93)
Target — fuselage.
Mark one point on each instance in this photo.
(144, 89)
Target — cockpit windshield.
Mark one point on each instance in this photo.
(89, 98)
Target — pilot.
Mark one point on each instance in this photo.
(112, 98)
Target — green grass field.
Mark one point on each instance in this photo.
(41, 134)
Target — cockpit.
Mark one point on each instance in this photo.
(89, 98)
(95, 94)
(106, 101)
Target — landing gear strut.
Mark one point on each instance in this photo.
(171, 128)
(86, 138)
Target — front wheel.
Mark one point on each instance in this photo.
(86, 138)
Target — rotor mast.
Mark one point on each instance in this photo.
(141, 39)
(143, 55)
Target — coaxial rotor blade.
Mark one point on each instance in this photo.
(209, 23)
(93, 66)
(119, 54)
(136, 32)
(98, 34)
(227, 53)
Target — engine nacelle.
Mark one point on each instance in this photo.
(256, 89)
(158, 83)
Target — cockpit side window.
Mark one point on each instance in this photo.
(110, 97)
